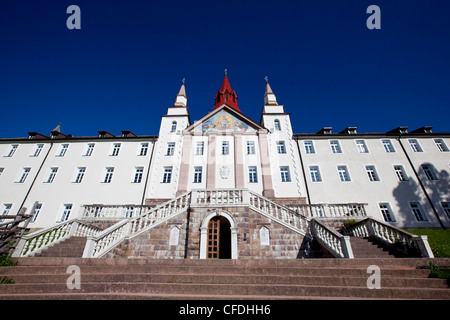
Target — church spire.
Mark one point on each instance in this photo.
(181, 99)
(226, 95)
(269, 97)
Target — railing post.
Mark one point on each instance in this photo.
(89, 247)
(422, 244)
(245, 197)
(347, 247)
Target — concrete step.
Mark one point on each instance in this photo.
(228, 270)
(70, 247)
(363, 248)
(231, 289)
(356, 280)
(45, 278)
(259, 263)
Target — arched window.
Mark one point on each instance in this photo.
(174, 126)
(277, 125)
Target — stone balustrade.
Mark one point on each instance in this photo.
(336, 243)
(331, 211)
(35, 242)
(391, 235)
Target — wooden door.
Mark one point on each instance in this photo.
(213, 239)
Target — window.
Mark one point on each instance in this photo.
(309, 147)
(38, 150)
(80, 175)
(400, 172)
(116, 149)
(315, 174)
(416, 209)
(415, 146)
(225, 147)
(361, 146)
(440, 144)
(12, 150)
(197, 174)
(52, 175)
(250, 147)
(285, 176)
(63, 150)
(335, 147)
(173, 128)
(1, 171)
(277, 125)
(138, 172)
(388, 147)
(129, 212)
(446, 207)
(281, 147)
(429, 172)
(252, 174)
(108, 175)
(144, 149)
(167, 177)
(35, 212)
(200, 148)
(372, 173)
(66, 212)
(386, 211)
(343, 173)
(24, 175)
(170, 148)
(90, 148)
(6, 209)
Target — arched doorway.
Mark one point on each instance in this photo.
(219, 239)
(226, 236)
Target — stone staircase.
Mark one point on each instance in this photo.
(69, 247)
(46, 278)
(364, 248)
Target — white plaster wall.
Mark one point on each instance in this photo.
(360, 188)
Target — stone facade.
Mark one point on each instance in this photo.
(283, 243)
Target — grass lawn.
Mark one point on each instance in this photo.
(439, 241)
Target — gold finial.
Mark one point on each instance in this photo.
(226, 71)
(184, 79)
(267, 79)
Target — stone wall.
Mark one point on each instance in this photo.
(283, 243)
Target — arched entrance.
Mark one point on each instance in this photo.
(219, 239)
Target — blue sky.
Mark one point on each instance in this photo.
(124, 67)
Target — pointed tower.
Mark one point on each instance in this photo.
(269, 97)
(181, 99)
(270, 101)
(180, 105)
(226, 95)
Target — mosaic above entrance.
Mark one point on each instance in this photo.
(223, 121)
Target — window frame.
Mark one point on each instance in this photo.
(343, 173)
(285, 174)
(252, 174)
(335, 146)
(167, 175)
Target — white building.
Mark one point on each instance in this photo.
(401, 176)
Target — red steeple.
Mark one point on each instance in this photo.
(226, 95)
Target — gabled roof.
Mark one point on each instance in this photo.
(232, 111)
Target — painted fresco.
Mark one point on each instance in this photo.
(223, 121)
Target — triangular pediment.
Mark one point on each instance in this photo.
(224, 120)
